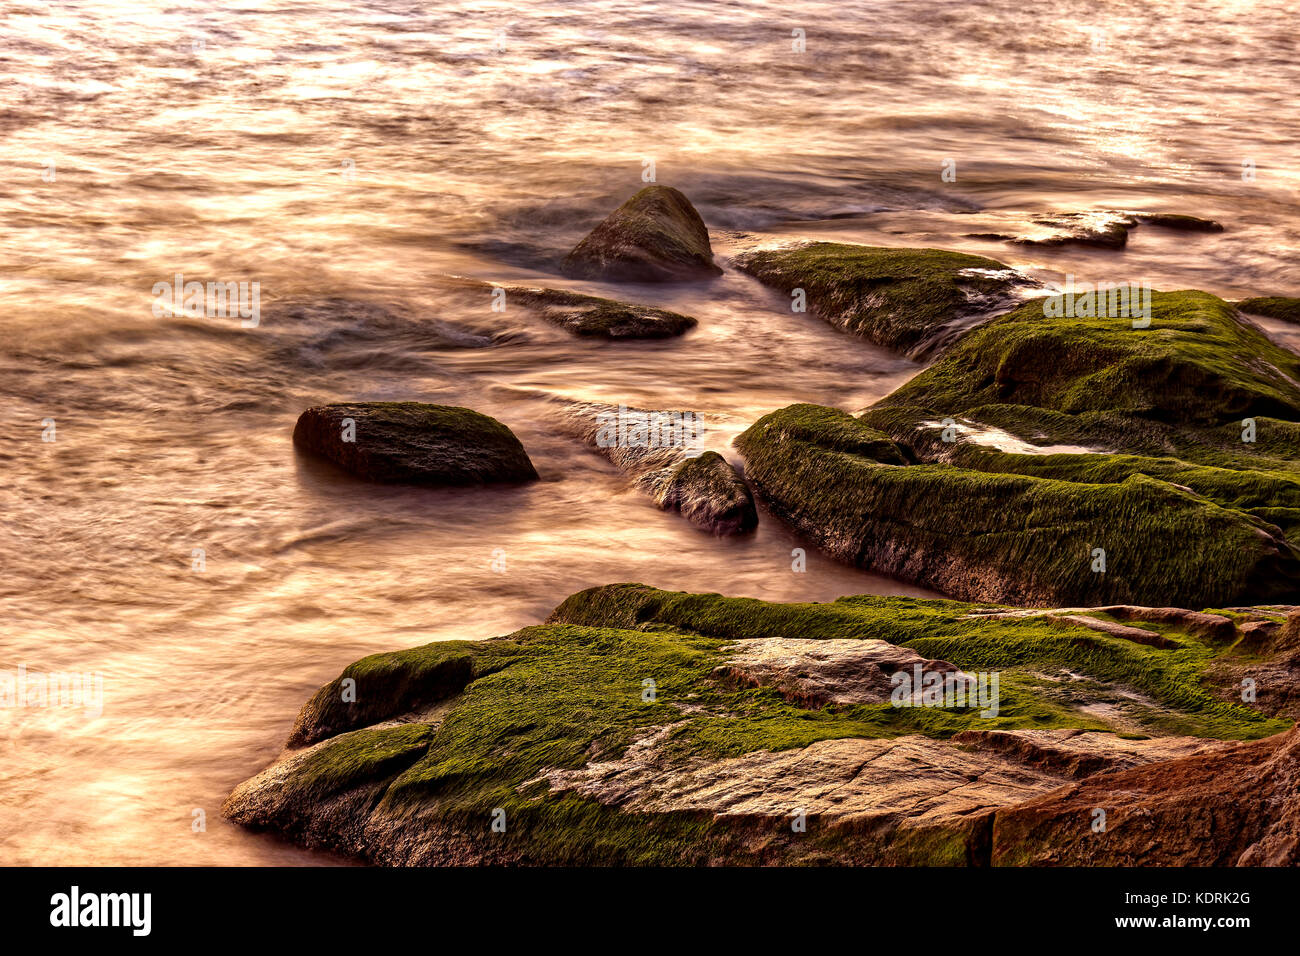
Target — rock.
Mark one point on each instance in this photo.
(708, 493)
(1231, 806)
(913, 301)
(588, 315)
(647, 727)
(1135, 634)
(414, 443)
(1272, 307)
(661, 451)
(1104, 230)
(897, 790)
(656, 236)
(1183, 223)
(1213, 627)
(815, 673)
(1001, 537)
(1108, 230)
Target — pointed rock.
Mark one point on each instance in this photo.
(656, 236)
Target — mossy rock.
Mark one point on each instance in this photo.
(1184, 385)
(414, 443)
(656, 236)
(553, 733)
(1272, 307)
(910, 300)
(1008, 537)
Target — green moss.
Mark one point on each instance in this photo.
(898, 298)
(382, 686)
(1183, 385)
(1273, 307)
(362, 756)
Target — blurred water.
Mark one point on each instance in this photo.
(347, 155)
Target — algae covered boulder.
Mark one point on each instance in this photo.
(1006, 537)
(1180, 379)
(910, 300)
(1060, 454)
(414, 443)
(647, 727)
(1272, 307)
(656, 236)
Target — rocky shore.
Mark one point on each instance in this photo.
(1112, 501)
(639, 726)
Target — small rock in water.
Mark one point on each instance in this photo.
(656, 236)
(414, 443)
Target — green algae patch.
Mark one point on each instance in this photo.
(360, 757)
(382, 686)
(902, 299)
(1050, 457)
(1162, 389)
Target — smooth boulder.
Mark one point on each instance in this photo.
(414, 443)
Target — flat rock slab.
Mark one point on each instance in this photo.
(816, 672)
(1232, 805)
(587, 316)
(914, 779)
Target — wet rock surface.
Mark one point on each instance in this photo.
(656, 236)
(414, 443)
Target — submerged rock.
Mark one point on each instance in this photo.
(656, 236)
(589, 315)
(708, 493)
(414, 443)
(661, 451)
(1107, 230)
(913, 301)
(647, 727)
(1179, 221)
(1104, 230)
